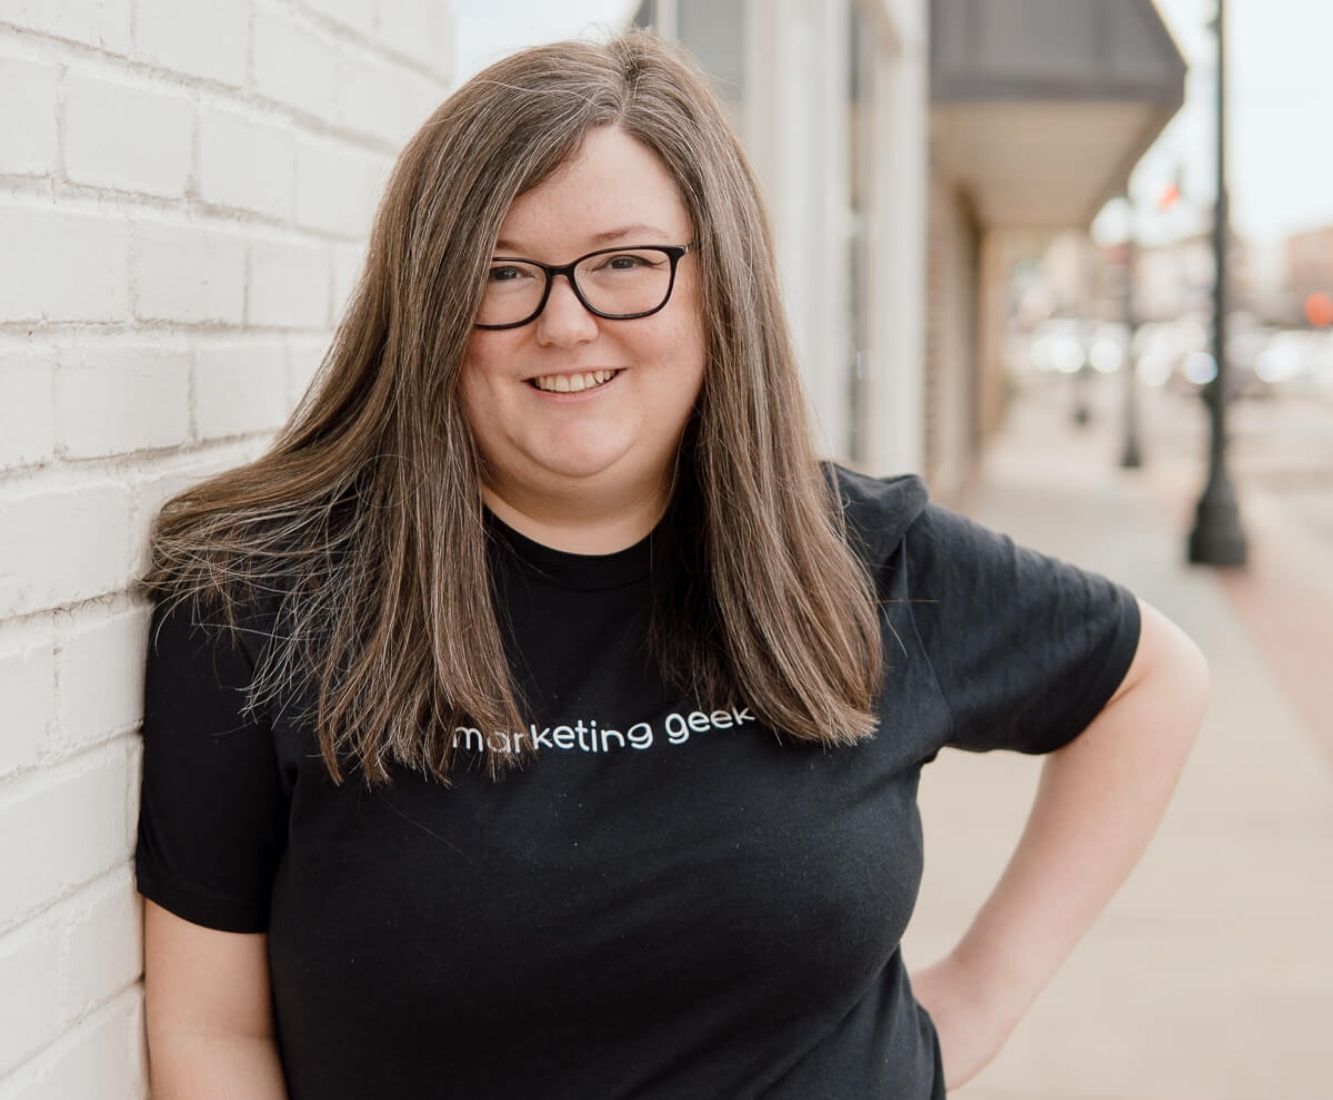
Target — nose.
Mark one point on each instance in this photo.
(564, 322)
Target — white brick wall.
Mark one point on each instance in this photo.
(185, 190)
(61, 264)
(127, 137)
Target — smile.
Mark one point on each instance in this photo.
(572, 383)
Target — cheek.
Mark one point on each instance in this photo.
(476, 398)
(686, 348)
(688, 339)
(481, 369)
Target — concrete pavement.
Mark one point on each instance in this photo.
(1210, 974)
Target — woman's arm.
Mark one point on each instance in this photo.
(210, 1019)
(1097, 806)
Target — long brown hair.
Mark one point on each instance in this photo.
(365, 513)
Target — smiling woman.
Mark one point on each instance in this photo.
(600, 450)
(551, 515)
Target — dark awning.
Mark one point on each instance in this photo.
(1040, 108)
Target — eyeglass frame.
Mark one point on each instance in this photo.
(673, 251)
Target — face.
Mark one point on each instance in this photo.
(617, 440)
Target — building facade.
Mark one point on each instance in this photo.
(830, 100)
(1309, 275)
(1039, 111)
(912, 153)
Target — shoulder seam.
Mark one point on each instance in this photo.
(921, 641)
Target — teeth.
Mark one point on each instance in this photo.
(572, 383)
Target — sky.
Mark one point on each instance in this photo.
(1280, 102)
(1280, 87)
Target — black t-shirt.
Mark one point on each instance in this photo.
(669, 902)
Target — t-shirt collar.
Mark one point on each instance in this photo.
(565, 569)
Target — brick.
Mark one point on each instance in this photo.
(28, 688)
(105, 1055)
(293, 64)
(63, 265)
(27, 431)
(420, 97)
(102, 23)
(303, 361)
(100, 669)
(445, 44)
(205, 40)
(114, 399)
(245, 163)
(288, 286)
(134, 764)
(126, 137)
(419, 29)
(357, 14)
(337, 188)
(30, 1008)
(28, 136)
(61, 544)
(103, 946)
(370, 95)
(61, 829)
(188, 273)
(152, 488)
(239, 388)
(348, 262)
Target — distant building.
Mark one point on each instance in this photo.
(1039, 111)
(1176, 279)
(912, 152)
(1309, 270)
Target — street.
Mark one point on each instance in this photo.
(1281, 450)
(1210, 974)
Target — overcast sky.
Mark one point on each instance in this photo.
(1281, 99)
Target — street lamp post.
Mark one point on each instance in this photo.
(1131, 457)
(1217, 538)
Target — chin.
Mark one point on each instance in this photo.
(579, 464)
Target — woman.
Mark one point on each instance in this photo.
(540, 718)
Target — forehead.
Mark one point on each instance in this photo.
(613, 189)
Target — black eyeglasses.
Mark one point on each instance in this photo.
(619, 284)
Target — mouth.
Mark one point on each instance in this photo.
(576, 383)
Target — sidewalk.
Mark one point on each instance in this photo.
(1210, 975)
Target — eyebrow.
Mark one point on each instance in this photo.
(601, 238)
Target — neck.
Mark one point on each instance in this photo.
(579, 522)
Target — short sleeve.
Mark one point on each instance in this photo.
(1026, 648)
(212, 810)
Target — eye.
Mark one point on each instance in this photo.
(505, 274)
(627, 261)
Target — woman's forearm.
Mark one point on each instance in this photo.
(1098, 804)
(193, 1066)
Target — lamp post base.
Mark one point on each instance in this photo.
(1217, 538)
(1131, 458)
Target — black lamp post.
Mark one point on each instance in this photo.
(1217, 538)
(1131, 457)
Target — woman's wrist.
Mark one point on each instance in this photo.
(1004, 994)
(972, 1016)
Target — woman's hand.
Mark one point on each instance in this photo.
(971, 1023)
(1099, 801)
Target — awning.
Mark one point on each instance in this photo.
(1040, 108)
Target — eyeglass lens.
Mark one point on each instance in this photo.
(633, 280)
